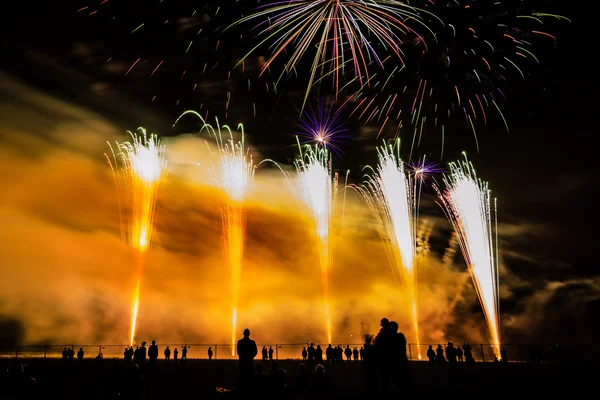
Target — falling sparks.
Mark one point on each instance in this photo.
(393, 197)
(467, 203)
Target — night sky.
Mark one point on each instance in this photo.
(541, 172)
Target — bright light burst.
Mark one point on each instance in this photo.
(139, 168)
(393, 197)
(323, 127)
(234, 174)
(466, 202)
(345, 35)
(318, 190)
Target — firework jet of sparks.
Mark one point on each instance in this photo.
(143, 167)
(344, 35)
(234, 173)
(318, 191)
(393, 196)
(323, 127)
(466, 202)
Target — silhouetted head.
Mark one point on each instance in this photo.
(368, 339)
(143, 344)
(385, 323)
(135, 369)
(312, 344)
(394, 325)
(154, 342)
(329, 344)
(81, 348)
(301, 368)
(320, 369)
(275, 365)
(430, 347)
(246, 332)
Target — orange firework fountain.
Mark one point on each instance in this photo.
(318, 191)
(142, 165)
(234, 173)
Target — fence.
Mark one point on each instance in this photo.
(482, 352)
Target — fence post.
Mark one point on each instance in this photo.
(409, 352)
(216, 347)
(277, 352)
(45, 350)
(17, 353)
(482, 353)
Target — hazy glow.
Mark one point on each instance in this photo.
(318, 191)
(142, 166)
(392, 196)
(466, 201)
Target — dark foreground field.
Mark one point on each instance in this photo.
(198, 379)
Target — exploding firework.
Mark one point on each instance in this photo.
(139, 168)
(234, 174)
(318, 190)
(322, 126)
(466, 201)
(345, 35)
(393, 196)
(479, 47)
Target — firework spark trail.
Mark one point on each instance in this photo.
(234, 174)
(466, 201)
(318, 190)
(143, 167)
(342, 33)
(393, 196)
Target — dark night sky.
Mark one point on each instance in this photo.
(542, 171)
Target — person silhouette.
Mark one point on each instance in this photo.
(319, 355)
(246, 350)
(355, 354)
(386, 355)
(65, 354)
(80, 354)
(265, 354)
(329, 355)
(167, 355)
(143, 351)
(175, 354)
(304, 354)
(311, 355)
(277, 378)
(431, 356)
(320, 379)
(184, 351)
(361, 353)
(348, 353)
(459, 354)
(261, 380)
(270, 353)
(152, 354)
(210, 354)
(503, 355)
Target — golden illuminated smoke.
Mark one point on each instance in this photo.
(466, 201)
(139, 168)
(392, 196)
(233, 172)
(318, 190)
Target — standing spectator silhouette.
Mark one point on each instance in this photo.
(261, 380)
(265, 353)
(247, 350)
(271, 354)
(167, 355)
(400, 371)
(451, 355)
(143, 352)
(311, 355)
(304, 354)
(80, 354)
(384, 344)
(355, 354)
(152, 354)
(184, 353)
(329, 355)
(361, 353)
(210, 354)
(369, 366)
(65, 354)
(439, 356)
(431, 356)
(175, 354)
(319, 355)
(459, 354)
(348, 354)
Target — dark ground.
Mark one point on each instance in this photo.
(199, 379)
